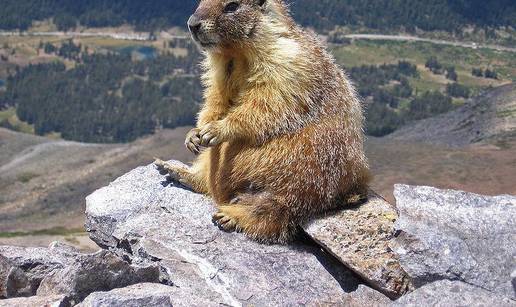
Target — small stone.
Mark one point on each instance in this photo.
(62, 270)
(363, 243)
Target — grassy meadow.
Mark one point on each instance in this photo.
(365, 52)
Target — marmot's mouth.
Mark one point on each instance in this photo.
(207, 44)
(202, 42)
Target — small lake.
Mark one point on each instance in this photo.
(144, 52)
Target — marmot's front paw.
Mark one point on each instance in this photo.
(211, 134)
(193, 140)
(176, 173)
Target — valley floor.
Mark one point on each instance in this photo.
(482, 169)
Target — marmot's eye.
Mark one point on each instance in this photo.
(231, 7)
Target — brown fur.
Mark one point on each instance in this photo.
(282, 122)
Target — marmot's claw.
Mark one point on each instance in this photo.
(193, 148)
(209, 135)
(161, 165)
(193, 141)
(224, 222)
(165, 168)
(208, 139)
(213, 142)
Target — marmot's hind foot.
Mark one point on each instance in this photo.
(177, 173)
(261, 222)
(225, 221)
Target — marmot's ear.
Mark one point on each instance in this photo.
(261, 2)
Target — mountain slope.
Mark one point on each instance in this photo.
(43, 182)
(490, 117)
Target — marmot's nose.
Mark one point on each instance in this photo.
(194, 24)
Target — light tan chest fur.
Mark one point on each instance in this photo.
(230, 80)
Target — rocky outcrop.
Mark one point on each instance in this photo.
(145, 218)
(446, 248)
(455, 235)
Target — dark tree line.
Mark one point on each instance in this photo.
(145, 15)
(447, 15)
(107, 98)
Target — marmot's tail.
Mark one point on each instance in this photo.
(358, 194)
(264, 219)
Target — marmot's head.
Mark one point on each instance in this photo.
(226, 23)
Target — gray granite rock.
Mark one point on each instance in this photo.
(62, 270)
(454, 235)
(359, 237)
(22, 269)
(365, 297)
(36, 301)
(147, 294)
(89, 273)
(144, 218)
(447, 293)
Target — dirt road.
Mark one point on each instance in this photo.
(407, 38)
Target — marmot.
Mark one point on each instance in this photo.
(281, 122)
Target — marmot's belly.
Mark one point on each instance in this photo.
(314, 160)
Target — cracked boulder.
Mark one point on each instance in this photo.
(62, 271)
(453, 235)
(101, 271)
(23, 268)
(142, 217)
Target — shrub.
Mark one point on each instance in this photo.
(381, 120)
(429, 104)
(458, 90)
